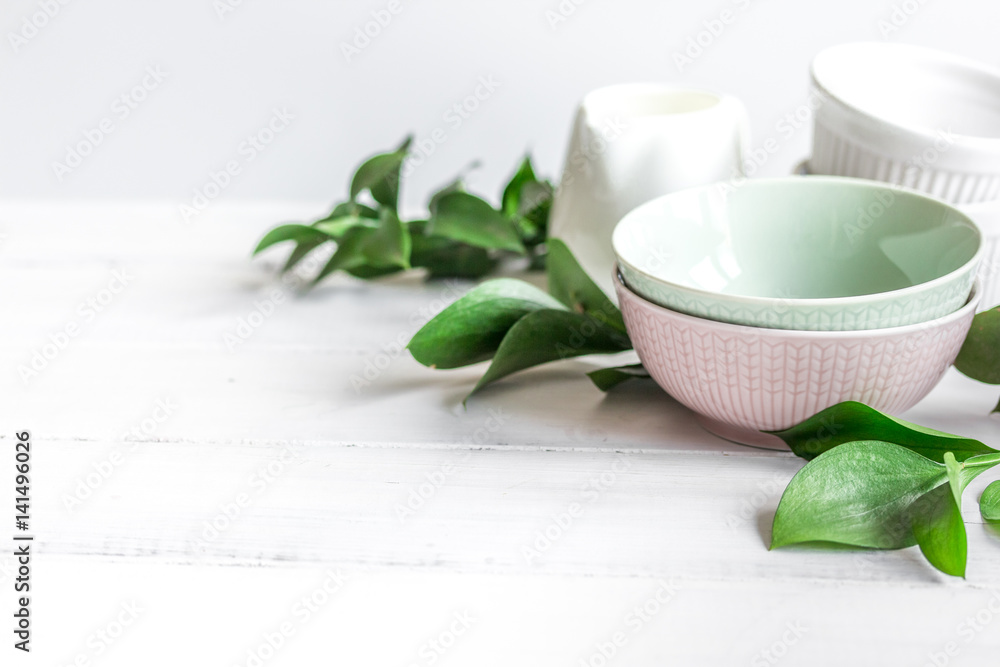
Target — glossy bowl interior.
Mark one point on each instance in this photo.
(792, 244)
(986, 215)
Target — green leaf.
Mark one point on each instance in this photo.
(447, 258)
(997, 408)
(471, 329)
(368, 272)
(851, 421)
(347, 208)
(308, 238)
(369, 251)
(989, 502)
(572, 286)
(608, 378)
(463, 217)
(533, 223)
(538, 257)
(533, 215)
(390, 243)
(536, 200)
(882, 496)
(349, 252)
(303, 248)
(511, 200)
(527, 201)
(549, 335)
(337, 227)
(859, 493)
(938, 526)
(297, 233)
(972, 468)
(379, 175)
(458, 185)
(980, 354)
(444, 258)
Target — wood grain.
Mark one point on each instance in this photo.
(392, 478)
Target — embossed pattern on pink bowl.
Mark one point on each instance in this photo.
(770, 379)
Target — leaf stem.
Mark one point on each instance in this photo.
(982, 461)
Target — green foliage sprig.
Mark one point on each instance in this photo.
(879, 482)
(980, 355)
(463, 236)
(989, 502)
(519, 326)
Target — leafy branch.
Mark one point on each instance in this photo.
(463, 236)
(519, 326)
(879, 482)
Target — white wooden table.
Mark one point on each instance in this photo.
(195, 499)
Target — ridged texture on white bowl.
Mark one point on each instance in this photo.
(835, 155)
(770, 379)
(989, 270)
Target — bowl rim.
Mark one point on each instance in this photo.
(971, 209)
(819, 302)
(913, 52)
(966, 310)
(594, 99)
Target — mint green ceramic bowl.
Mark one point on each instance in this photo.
(814, 254)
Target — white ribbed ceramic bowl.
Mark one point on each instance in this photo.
(742, 380)
(986, 215)
(908, 115)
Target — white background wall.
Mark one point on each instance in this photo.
(227, 70)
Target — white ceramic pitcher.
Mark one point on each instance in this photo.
(632, 143)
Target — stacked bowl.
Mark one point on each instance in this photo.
(758, 305)
(916, 118)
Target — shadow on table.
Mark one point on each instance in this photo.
(860, 563)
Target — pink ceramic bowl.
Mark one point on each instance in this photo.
(742, 380)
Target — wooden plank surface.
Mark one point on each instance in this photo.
(164, 450)
(218, 615)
